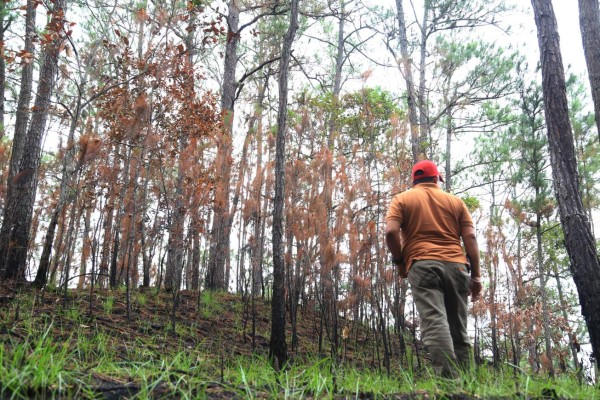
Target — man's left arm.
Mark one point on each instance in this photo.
(470, 240)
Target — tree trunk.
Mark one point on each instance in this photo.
(425, 143)
(257, 187)
(544, 291)
(408, 78)
(24, 185)
(21, 122)
(71, 240)
(59, 245)
(563, 306)
(86, 248)
(41, 278)
(448, 168)
(589, 22)
(3, 28)
(146, 259)
(219, 250)
(580, 243)
(118, 247)
(67, 175)
(175, 244)
(195, 278)
(277, 346)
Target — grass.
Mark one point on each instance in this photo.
(209, 306)
(68, 356)
(38, 361)
(140, 299)
(108, 304)
(39, 366)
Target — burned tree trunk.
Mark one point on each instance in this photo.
(579, 241)
(277, 346)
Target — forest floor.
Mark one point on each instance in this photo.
(93, 345)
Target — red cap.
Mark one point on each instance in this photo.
(428, 169)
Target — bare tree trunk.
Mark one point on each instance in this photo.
(564, 305)
(67, 174)
(277, 346)
(236, 199)
(175, 243)
(195, 267)
(257, 186)
(4, 25)
(108, 226)
(411, 93)
(448, 168)
(424, 128)
(219, 250)
(24, 185)
(41, 277)
(491, 264)
(117, 245)
(326, 247)
(580, 243)
(589, 22)
(21, 122)
(59, 245)
(543, 291)
(86, 247)
(146, 259)
(71, 239)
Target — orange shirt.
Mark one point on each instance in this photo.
(430, 221)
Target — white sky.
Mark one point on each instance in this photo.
(567, 15)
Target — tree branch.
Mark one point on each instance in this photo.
(240, 83)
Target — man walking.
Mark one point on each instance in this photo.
(424, 227)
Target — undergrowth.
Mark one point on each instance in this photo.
(67, 355)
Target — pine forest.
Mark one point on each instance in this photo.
(193, 195)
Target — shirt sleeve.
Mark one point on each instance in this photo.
(395, 210)
(465, 216)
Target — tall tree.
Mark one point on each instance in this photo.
(408, 78)
(277, 346)
(589, 23)
(223, 215)
(580, 243)
(68, 168)
(219, 250)
(24, 184)
(531, 144)
(5, 22)
(21, 123)
(438, 18)
(472, 73)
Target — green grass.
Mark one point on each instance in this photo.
(42, 365)
(67, 356)
(39, 362)
(141, 299)
(209, 305)
(109, 304)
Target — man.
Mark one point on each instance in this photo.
(424, 227)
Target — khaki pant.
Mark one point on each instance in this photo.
(440, 293)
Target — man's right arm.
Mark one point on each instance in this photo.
(469, 238)
(393, 239)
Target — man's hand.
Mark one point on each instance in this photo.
(402, 272)
(475, 287)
